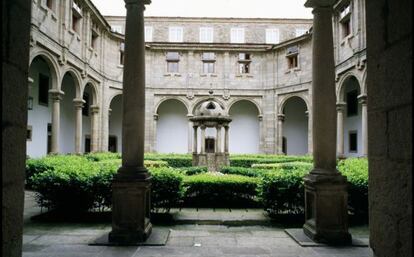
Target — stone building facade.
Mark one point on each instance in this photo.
(259, 70)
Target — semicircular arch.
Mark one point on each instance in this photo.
(259, 111)
(77, 79)
(203, 99)
(285, 99)
(167, 98)
(52, 64)
(340, 96)
(94, 90)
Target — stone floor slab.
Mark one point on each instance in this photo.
(158, 237)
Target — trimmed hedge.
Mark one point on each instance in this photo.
(249, 172)
(284, 165)
(247, 161)
(218, 190)
(189, 171)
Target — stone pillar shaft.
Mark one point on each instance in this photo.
(226, 139)
(203, 139)
(364, 118)
(155, 132)
(195, 150)
(94, 128)
(340, 129)
(56, 97)
(218, 139)
(280, 120)
(190, 130)
(78, 103)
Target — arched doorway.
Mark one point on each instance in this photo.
(172, 127)
(39, 121)
(67, 113)
(244, 133)
(115, 124)
(349, 135)
(295, 127)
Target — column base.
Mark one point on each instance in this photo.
(130, 208)
(326, 208)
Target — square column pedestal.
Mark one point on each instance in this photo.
(130, 210)
(326, 215)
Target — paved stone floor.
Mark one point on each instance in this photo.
(71, 239)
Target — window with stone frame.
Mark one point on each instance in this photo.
(175, 34)
(292, 57)
(209, 60)
(272, 36)
(94, 36)
(237, 35)
(173, 58)
(244, 63)
(353, 141)
(43, 96)
(206, 35)
(148, 34)
(51, 4)
(76, 17)
(345, 20)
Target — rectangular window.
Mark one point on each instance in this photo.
(345, 20)
(176, 34)
(172, 62)
(76, 17)
(85, 108)
(292, 57)
(206, 35)
(353, 141)
(50, 4)
(272, 36)
(43, 89)
(116, 28)
(352, 103)
(29, 133)
(244, 63)
(209, 60)
(148, 34)
(300, 32)
(237, 35)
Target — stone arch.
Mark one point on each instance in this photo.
(52, 63)
(285, 99)
(95, 95)
(166, 98)
(259, 110)
(76, 78)
(111, 97)
(342, 81)
(200, 100)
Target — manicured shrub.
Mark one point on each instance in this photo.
(282, 192)
(284, 165)
(166, 190)
(249, 172)
(102, 156)
(189, 171)
(218, 190)
(356, 171)
(173, 160)
(248, 160)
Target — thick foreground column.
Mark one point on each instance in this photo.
(325, 188)
(131, 186)
(78, 103)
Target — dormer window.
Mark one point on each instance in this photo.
(292, 57)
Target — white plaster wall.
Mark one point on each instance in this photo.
(172, 128)
(67, 116)
(115, 121)
(40, 116)
(295, 127)
(244, 128)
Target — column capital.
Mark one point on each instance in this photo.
(94, 108)
(190, 115)
(281, 117)
(156, 116)
(109, 111)
(319, 3)
(203, 127)
(78, 103)
(340, 106)
(56, 94)
(260, 117)
(307, 114)
(141, 3)
(362, 99)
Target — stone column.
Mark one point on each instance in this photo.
(156, 116)
(261, 134)
(226, 139)
(195, 150)
(56, 97)
(363, 102)
(326, 217)
(280, 120)
(190, 130)
(78, 103)
(203, 139)
(218, 139)
(340, 129)
(132, 184)
(310, 143)
(94, 110)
